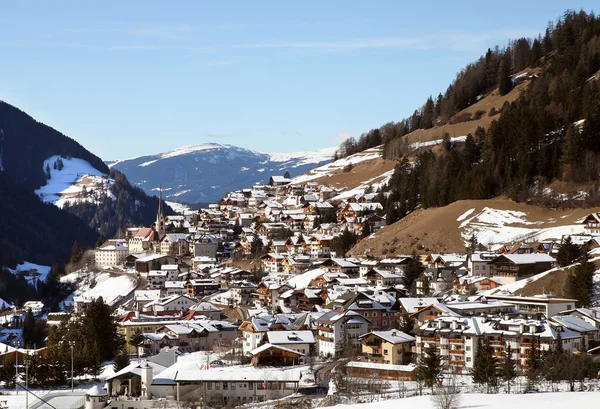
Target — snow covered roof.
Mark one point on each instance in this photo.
(413, 304)
(393, 336)
(190, 373)
(136, 369)
(268, 346)
(528, 258)
(290, 337)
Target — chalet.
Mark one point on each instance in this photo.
(299, 341)
(478, 263)
(254, 328)
(267, 294)
(271, 230)
(340, 265)
(143, 265)
(592, 223)
(387, 347)
(517, 248)
(464, 285)
(201, 287)
(275, 355)
(382, 278)
(508, 268)
(174, 302)
(279, 180)
(242, 293)
(320, 246)
(272, 262)
(295, 264)
(333, 326)
(370, 370)
(295, 245)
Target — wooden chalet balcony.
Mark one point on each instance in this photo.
(457, 352)
(322, 338)
(498, 353)
(500, 343)
(429, 317)
(525, 345)
(324, 329)
(429, 339)
(457, 362)
(455, 340)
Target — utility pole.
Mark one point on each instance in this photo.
(27, 383)
(72, 345)
(17, 367)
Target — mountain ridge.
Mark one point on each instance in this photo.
(205, 172)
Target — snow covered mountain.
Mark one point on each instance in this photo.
(204, 173)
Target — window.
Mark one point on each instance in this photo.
(468, 359)
(467, 348)
(224, 386)
(217, 386)
(476, 267)
(385, 352)
(209, 385)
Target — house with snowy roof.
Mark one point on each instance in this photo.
(592, 223)
(388, 347)
(334, 326)
(508, 268)
(111, 253)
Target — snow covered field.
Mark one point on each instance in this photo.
(556, 400)
(43, 271)
(110, 288)
(498, 226)
(77, 181)
(327, 170)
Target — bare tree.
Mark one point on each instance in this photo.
(448, 396)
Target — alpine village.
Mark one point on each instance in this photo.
(454, 251)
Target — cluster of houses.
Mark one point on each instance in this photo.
(207, 329)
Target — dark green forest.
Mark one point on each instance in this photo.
(538, 141)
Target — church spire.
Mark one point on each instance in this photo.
(160, 217)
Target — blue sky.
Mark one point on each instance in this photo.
(139, 77)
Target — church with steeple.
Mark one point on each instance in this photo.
(160, 217)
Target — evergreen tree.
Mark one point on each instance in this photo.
(287, 175)
(504, 80)
(406, 324)
(121, 361)
(429, 367)
(581, 281)
(485, 367)
(7, 373)
(412, 272)
(29, 329)
(509, 367)
(533, 363)
(568, 252)
(100, 325)
(76, 253)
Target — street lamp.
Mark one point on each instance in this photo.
(17, 367)
(27, 362)
(72, 345)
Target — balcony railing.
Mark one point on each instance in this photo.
(322, 338)
(324, 329)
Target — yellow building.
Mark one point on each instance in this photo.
(387, 347)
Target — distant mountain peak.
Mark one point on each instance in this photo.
(205, 172)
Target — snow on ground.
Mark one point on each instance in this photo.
(77, 181)
(417, 145)
(498, 226)
(556, 400)
(304, 158)
(383, 179)
(180, 208)
(301, 281)
(465, 215)
(328, 169)
(27, 266)
(110, 288)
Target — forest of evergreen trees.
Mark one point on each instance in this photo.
(537, 140)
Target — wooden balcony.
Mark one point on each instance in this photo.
(455, 340)
(457, 351)
(429, 339)
(324, 329)
(494, 343)
(322, 338)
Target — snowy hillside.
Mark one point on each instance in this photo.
(494, 227)
(93, 285)
(204, 173)
(330, 168)
(73, 180)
